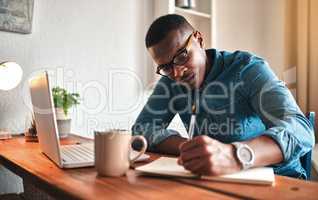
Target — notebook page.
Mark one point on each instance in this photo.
(166, 166)
(169, 167)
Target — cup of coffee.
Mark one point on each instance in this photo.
(112, 151)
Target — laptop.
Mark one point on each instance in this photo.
(64, 156)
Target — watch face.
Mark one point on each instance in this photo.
(245, 154)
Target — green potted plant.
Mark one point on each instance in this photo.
(63, 101)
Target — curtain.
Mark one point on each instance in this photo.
(307, 52)
(301, 52)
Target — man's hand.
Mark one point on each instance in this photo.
(170, 145)
(206, 156)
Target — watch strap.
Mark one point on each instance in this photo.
(245, 164)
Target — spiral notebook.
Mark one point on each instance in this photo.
(165, 166)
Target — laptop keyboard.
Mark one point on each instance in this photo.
(78, 153)
(84, 153)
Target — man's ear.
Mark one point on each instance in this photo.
(198, 35)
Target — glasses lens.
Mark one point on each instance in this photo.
(165, 70)
(181, 58)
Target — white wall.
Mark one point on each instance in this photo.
(252, 25)
(82, 42)
(86, 41)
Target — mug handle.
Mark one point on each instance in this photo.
(142, 151)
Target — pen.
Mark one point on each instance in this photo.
(192, 122)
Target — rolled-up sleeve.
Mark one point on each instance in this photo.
(156, 115)
(278, 110)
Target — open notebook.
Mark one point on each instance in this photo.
(165, 166)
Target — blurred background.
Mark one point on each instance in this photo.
(96, 48)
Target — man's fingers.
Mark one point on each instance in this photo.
(197, 152)
(194, 165)
(197, 141)
(207, 166)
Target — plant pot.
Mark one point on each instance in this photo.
(64, 127)
(63, 123)
(60, 115)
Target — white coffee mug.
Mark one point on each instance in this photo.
(112, 151)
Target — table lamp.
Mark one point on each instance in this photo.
(10, 77)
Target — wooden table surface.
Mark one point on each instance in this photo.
(26, 160)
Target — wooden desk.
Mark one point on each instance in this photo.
(27, 161)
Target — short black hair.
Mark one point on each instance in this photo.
(160, 28)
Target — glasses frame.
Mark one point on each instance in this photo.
(171, 64)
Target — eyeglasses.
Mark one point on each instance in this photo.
(181, 57)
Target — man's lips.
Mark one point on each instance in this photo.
(188, 78)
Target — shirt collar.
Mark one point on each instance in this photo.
(216, 65)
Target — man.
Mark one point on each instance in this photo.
(245, 116)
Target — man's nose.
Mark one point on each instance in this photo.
(178, 71)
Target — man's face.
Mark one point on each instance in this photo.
(193, 70)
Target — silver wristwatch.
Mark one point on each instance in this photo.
(244, 154)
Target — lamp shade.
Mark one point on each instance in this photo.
(10, 75)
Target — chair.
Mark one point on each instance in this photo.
(305, 160)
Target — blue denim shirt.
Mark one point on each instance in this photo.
(240, 99)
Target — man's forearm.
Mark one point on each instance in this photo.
(267, 151)
(170, 145)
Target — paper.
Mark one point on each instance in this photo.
(169, 167)
(143, 157)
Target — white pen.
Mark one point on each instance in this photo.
(192, 122)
